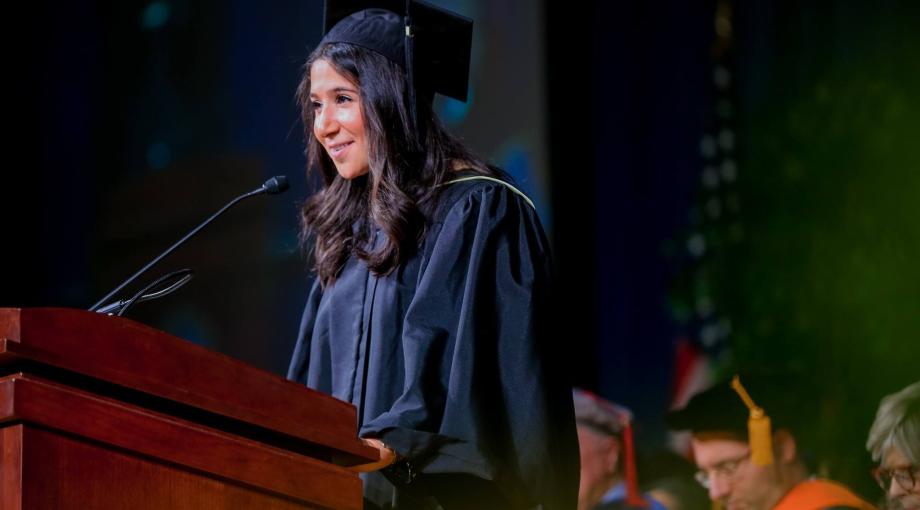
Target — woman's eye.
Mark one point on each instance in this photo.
(342, 99)
(317, 105)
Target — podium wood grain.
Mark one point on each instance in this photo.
(100, 412)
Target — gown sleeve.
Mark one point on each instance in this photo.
(487, 395)
(300, 360)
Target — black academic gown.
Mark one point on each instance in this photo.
(449, 363)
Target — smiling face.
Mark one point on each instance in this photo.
(338, 119)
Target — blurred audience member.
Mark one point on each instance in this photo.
(608, 469)
(747, 451)
(668, 478)
(894, 442)
(675, 494)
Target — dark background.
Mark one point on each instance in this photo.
(736, 184)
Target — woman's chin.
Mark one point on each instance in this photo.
(350, 173)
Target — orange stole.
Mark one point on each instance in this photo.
(817, 494)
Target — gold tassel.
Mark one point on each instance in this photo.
(760, 434)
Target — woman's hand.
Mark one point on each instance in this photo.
(387, 457)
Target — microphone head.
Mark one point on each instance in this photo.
(275, 185)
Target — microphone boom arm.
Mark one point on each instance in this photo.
(272, 186)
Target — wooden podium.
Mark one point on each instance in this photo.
(99, 412)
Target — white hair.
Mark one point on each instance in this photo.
(897, 424)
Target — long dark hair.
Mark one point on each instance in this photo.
(407, 167)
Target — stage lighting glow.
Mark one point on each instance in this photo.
(155, 15)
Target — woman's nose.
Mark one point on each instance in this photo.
(324, 123)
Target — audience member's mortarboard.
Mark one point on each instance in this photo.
(741, 410)
(433, 47)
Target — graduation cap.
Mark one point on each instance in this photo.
(431, 44)
(741, 409)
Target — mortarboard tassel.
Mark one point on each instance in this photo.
(760, 434)
(410, 71)
(633, 498)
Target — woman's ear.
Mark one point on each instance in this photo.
(784, 447)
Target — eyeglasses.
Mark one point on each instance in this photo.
(727, 469)
(905, 476)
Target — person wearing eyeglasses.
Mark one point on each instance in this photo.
(894, 442)
(749, 445)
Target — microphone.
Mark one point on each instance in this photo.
(273, 186)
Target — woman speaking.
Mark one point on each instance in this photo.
(430, 307)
